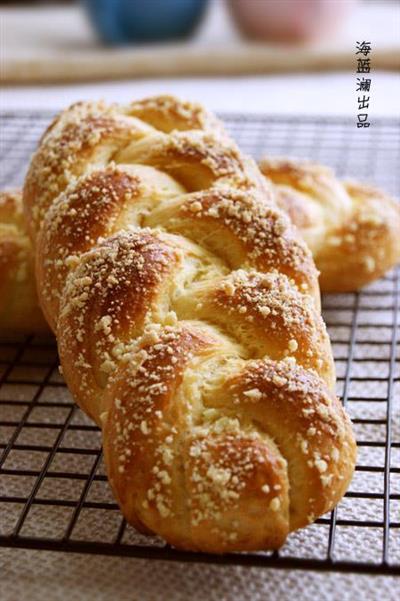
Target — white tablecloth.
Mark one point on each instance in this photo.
(311, 94)
(44, 576)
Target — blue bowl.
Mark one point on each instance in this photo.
(124, 21)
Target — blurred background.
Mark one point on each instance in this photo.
(254, 55)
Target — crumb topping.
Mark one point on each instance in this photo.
(259, 226)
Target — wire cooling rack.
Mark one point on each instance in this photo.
(54, 492)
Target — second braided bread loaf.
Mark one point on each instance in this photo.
(186, 310)
(352, 230)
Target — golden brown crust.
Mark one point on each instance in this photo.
(110, 295)
(166, 114)
(19, 309)
(309, 426)
(173, 278)
(86, 133)
(352, 229)
(267, 315)
(78, 219)
(244, 231)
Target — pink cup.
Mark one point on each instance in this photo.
(288, 20)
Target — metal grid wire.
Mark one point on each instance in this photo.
(54, 492)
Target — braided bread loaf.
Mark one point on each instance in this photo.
(187, 319)
(353, 230)
(19, 309)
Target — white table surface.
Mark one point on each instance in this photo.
(308, 94)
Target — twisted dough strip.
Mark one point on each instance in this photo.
(186, 313)
(352, 230)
